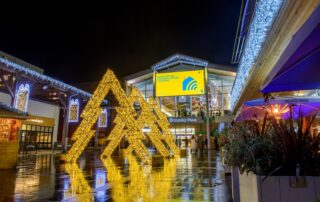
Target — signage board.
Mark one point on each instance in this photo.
(185, 120)
(180, 83)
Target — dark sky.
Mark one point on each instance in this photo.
(77, 45)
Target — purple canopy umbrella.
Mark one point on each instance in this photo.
(279, 107)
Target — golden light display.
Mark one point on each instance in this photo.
(115, 179)
(147, 118)
(125, 119)
(79, 186)
(164, 124)
(73, 110)
(144, 184)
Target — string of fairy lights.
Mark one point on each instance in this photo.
(147, 118)
(128, 123)
(164, 124)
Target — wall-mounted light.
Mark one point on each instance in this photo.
(21, 98)
(73, 110)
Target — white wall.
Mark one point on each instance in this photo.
(37, 108)
(5, 98)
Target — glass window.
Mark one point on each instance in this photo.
(220, 89)
(41, 135)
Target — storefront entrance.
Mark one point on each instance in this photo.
(36, 133)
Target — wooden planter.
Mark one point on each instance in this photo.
(278, 188)
(8, 154)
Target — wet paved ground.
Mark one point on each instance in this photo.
(196, 177)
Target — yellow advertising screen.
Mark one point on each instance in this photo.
(180, 83)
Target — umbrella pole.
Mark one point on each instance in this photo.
(290, 119)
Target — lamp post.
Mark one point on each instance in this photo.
(207, 107)
(66, 124)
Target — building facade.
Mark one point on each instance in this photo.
(279, 52)
(53, 107)
(188, 114)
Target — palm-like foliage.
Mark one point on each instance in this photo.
(250, 151)
(298, 146)
(275, 147)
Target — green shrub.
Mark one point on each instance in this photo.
(275, 149)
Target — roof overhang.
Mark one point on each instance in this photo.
(15, 65)
(139, 76)
(299, 66)
(255, 72)
(12, 113)
(179, 59)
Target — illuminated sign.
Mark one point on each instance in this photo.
(103, 119)
(22, 97)
(185, 120)
(35, 120)
(180, 83)
(73, 110)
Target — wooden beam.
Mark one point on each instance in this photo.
(8, 87)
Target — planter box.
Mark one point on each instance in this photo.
(278, 188)
(235, 184)
(8, 154)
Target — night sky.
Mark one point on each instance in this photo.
(77, 45)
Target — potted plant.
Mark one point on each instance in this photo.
(222, 138)
(276, 161)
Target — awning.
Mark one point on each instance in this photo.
(256, 109)
(10, 112)
(299, 65)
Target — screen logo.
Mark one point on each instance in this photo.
(189, 84)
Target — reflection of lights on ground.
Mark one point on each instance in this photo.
(79, 187)
(100, 182)
(123, 179)
(26, 184)
(29, 183)
(144, 184)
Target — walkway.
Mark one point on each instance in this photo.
(196, 177)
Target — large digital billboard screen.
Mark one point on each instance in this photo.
(180, 83)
